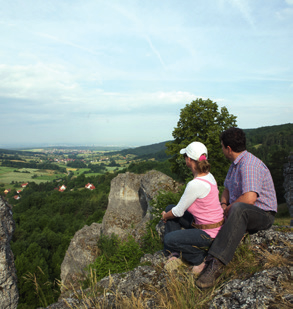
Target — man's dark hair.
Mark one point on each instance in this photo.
(235, 138)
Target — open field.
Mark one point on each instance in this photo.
(78, 171)
(11, 175)
(34, 150)
(8, 175)
(4, 170)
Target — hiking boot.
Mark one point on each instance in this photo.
(209, 275)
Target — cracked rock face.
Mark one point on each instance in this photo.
(81, 252)
(129, 206)
(8, 280)
(259, 291)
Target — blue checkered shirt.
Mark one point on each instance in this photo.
(249, 174)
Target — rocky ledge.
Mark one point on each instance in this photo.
(265, 289)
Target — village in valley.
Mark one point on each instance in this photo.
(19, 168)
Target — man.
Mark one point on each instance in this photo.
(249, 202)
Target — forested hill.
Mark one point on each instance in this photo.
(280, 135)
(272, 145)
(144, 151)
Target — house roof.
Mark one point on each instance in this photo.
(90, 186)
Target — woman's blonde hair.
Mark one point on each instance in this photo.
(203, 166)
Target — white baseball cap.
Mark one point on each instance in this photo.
(194, 150)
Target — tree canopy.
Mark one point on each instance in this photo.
(201, 121)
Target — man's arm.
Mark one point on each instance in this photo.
(248, 198)
(225, 198)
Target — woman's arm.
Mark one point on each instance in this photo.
(193, 190)
(167, 215)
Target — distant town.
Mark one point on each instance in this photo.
(18, 168)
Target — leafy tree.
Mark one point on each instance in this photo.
(201, 121)
(46, 220)
(77, 164)
(113, 163)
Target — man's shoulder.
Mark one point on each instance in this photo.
(252, 161)
(248, 156)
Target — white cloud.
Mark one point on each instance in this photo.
(42, 84)
(94, 66)
(245, 10)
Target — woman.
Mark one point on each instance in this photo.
(199, 212)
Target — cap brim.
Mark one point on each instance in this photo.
(183, 151)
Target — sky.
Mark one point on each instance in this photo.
(92, 72)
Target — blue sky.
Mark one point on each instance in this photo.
(96, 72)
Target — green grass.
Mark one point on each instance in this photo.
(4, 170)
(7, 175)
(78, 171)
(283, 215)
(181, 291)
(113, 168)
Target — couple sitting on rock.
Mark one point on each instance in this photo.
(248, 204)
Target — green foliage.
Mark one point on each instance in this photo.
(145, 166)
(97, 168)
(201, 121)
(46, 220)
(151, 241)
(76, 164)
(116, 256)
(113, 163)
(162, 200)
(158, 156)
(143, 150)
(272, 145)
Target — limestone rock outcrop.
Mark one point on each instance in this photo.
(8, 279)
(81, 252)
(288, 185)
(128, 212)
(129, 202)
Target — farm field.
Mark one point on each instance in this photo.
(9, 175)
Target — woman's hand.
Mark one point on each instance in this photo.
(163, 219)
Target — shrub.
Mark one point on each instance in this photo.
(116, 256)
(151, 241)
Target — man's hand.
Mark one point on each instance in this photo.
(248, 198)
(226, 210)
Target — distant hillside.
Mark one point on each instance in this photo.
(143, 150)
(270, 129)
(281, 135)
(16, 152)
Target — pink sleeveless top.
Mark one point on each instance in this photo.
(208, 210)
